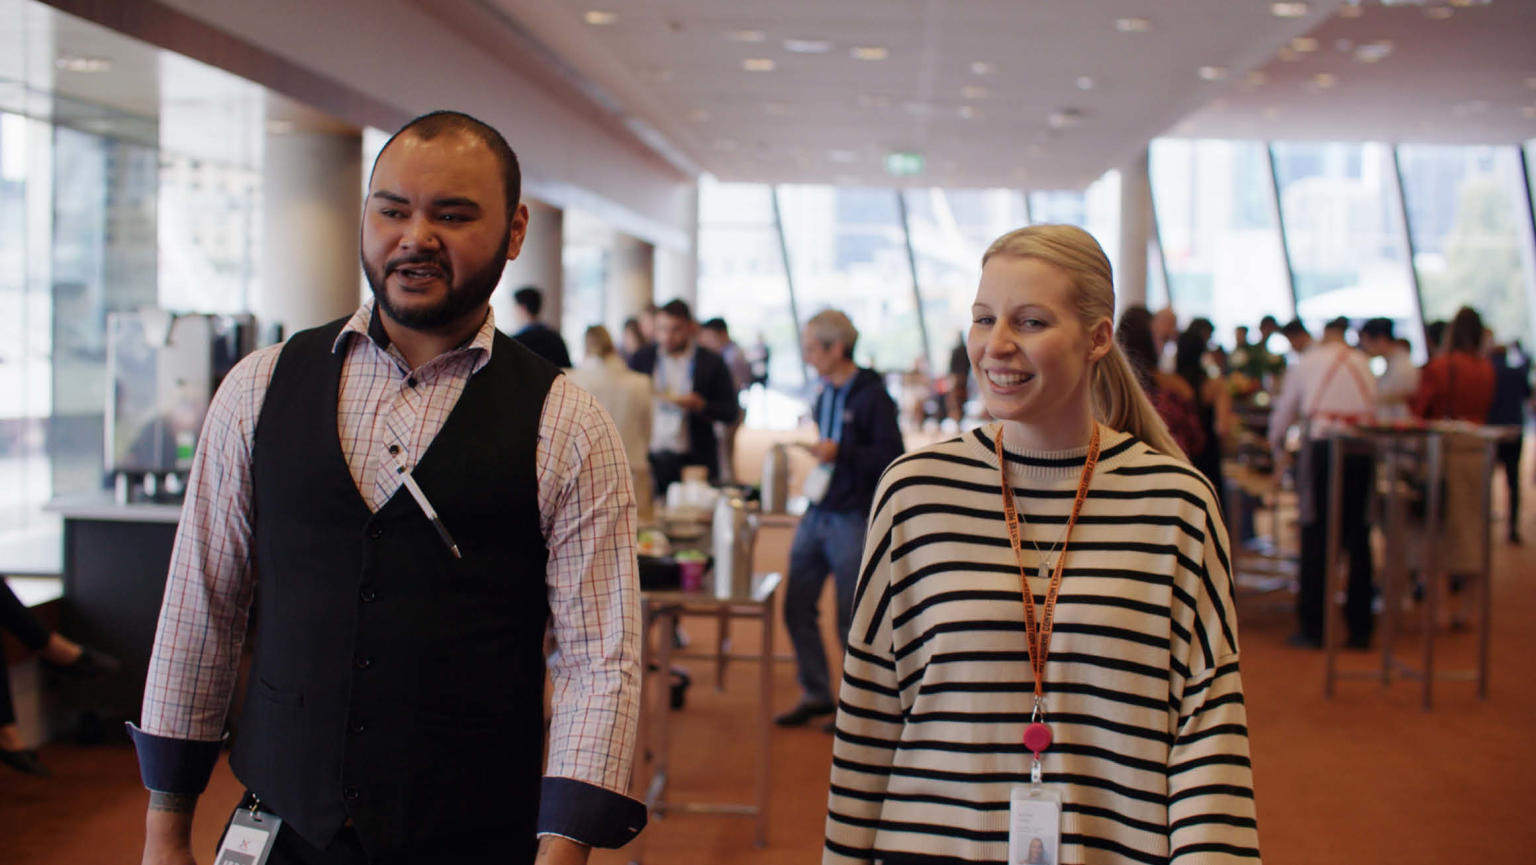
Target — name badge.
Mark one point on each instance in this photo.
(817, 482)
(248, 839)
(1034, 826)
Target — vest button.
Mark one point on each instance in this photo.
(362, 662)
(394, 449)
(376, 532)
(411, 381)
(350, 793)
(368, 595)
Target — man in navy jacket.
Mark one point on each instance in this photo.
(859, 438)
(693, 390)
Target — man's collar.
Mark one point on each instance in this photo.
(367, 321)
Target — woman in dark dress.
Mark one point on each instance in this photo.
(1212, 404)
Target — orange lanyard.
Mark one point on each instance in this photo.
(1039, 634)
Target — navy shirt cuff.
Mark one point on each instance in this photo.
(588, 814)
(178, 766)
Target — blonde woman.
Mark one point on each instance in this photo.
(1102, 711)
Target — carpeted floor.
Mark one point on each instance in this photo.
(1366, 778)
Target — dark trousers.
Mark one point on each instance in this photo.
(16, 618)
(825, 541)
(347, 849)
(1509, 457)
(1354, 542)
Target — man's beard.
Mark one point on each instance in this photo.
(460, 300)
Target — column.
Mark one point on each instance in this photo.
(538, 265)
(631, 280)
(1136, 225)
(311, 204)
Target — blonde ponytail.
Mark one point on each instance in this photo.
(1119, 401)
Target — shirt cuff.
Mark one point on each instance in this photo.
(588, 814)
(178, 766)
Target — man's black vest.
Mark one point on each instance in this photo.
(393, 684)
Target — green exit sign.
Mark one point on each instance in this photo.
(904, 164)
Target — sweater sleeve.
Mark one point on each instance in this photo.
(1211, 815)
(869, 715)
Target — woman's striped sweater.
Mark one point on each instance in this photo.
(1142, 685)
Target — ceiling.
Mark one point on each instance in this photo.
(987, 92)
(1421, 72)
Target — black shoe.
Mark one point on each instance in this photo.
(1299, 640)
(803, 712)
(1514, 538)
(1358, 644)
(90, 664)
(25, 762)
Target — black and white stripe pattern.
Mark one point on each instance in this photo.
(1143, 690)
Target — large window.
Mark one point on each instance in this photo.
(847, 249)
(1468, 227)
(1095, 210)
(741, 274)
(1221, 246)
(1344, 232)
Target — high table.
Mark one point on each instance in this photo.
(664, 609)
(1393, 448)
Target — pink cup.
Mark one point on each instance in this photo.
(691, 574)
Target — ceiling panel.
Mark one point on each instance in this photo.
(676, 66)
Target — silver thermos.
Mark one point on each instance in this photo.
(776, 480)
(734, 532)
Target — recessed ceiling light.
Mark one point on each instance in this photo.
(1086, 82)
(1351, 10)
(981, 67)
(974, 92)
(1304, 44)
(1439, 13)
(843, 157)
(78, 63)
(1324, 80)
(599, 18)
(279, 127)
(1257, 78)
(1213, 73)
(807, 46)
(1066, 118)
(1469, 2)
(868, 52)
(1288, 54)
(758, 64)
(698, 115)
(1132, 25)
(1374, 52)
(745, 35)
(1271, 113)
(920, 109)
(1289, 10)
(967, 112)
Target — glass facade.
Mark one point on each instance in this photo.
(1344, 234)
(1222, 254)
(1468, 228)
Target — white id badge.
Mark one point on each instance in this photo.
(1034, 826)
(817, 481)
(248, 840)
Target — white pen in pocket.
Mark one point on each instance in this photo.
(426, 507)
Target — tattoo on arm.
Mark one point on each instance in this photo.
(171, 802)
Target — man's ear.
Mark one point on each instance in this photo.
(516, 231)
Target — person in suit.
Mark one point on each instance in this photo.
(693, 390)
(543, 340)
